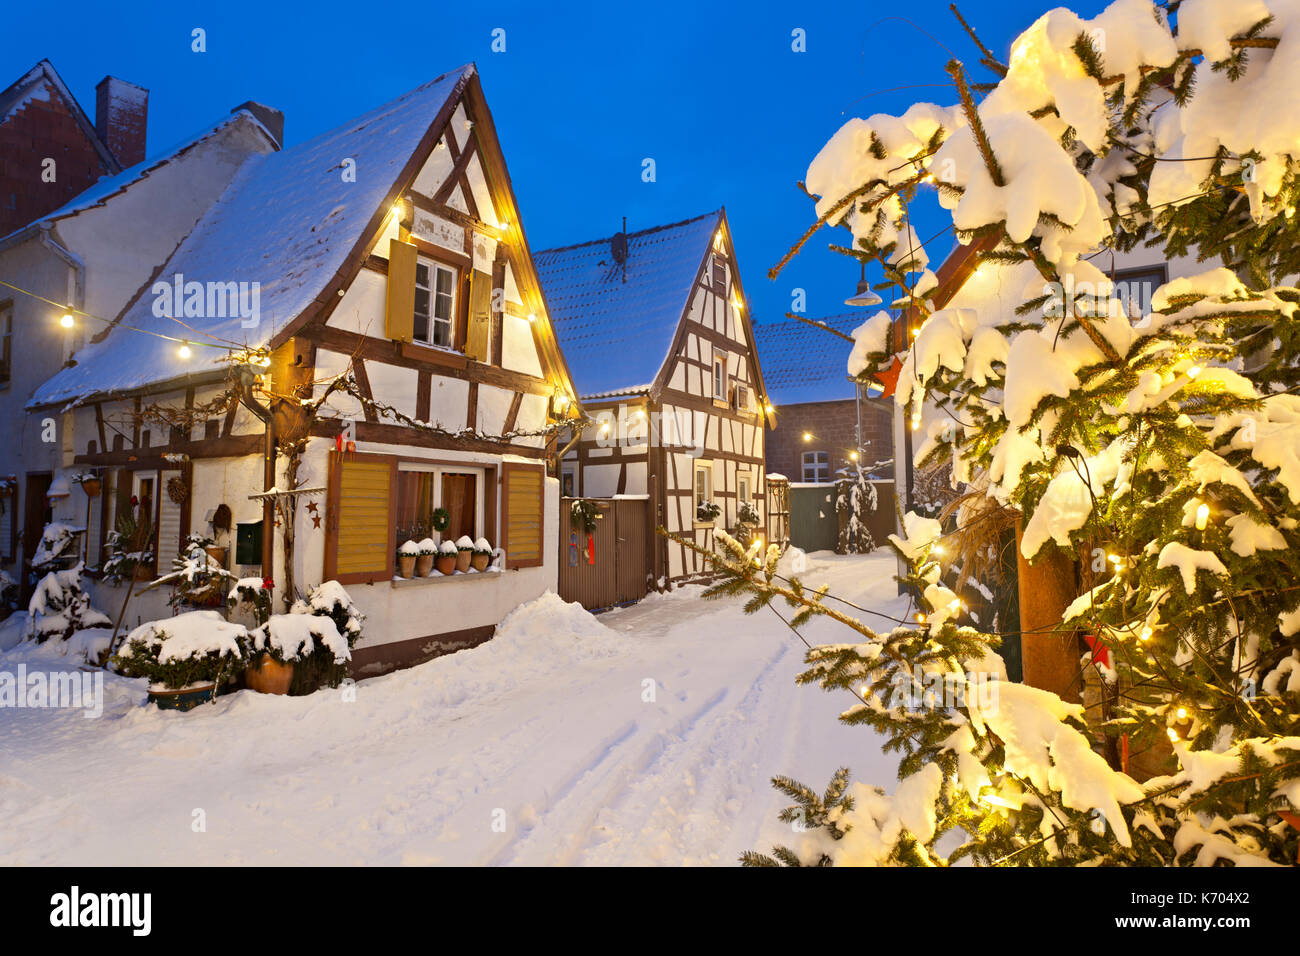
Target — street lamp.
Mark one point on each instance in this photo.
(865, 298)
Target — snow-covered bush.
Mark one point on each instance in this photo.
(198, 647)
(129, 544)
(196, 577)
(251, 593)
(427, 546)
(60, 606)
(707, 511)
(464, 543)
(331, 600)
(482, 546)
(856, 501)
(311, 642)
(58, 546)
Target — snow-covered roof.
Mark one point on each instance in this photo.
(288, 222)
(109, 186)
(803, 364)
(616, 325)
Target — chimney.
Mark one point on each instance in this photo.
(271, 118)
(121, 111)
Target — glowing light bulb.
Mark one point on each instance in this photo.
(1202, 516)
(853, 456)
(807, 436)
(1193, 371)
(1182, 713)
(184, 351)
(1173, 735)
(1145, 635)
(532, 317)
(920, 618)
(67, 321)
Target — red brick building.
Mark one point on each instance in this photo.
(822, 420)
(49, 149)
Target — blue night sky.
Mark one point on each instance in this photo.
(583, 93)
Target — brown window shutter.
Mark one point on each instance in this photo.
(400, 316)
(523, 499)
(360, 538)
(478, 339)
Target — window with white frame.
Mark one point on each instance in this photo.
(424, 488)
(816, 466)
(720, 375)
(742, 489)
(703, 483)
(435, 303)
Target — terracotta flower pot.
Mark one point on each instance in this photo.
(423, 565)
(268, 676)
(446, 563)
(91, 487)
(185, 699)
(462, 560)
(479, 562)
(406, 565)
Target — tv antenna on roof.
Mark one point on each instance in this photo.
(618, 248)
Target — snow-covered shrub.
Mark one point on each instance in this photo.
(408, 549)
(197, 578)
(464, 543)
(251, 593)
(448, 547)
(854, 503)
(747, 514)
(427, 546)
(707, 511)
(60, 606)
(58, 546)
(331, 600)
(129, 544)
(198, 647)
(481, 546)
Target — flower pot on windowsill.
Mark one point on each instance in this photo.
(423, 565)
(479, 561)
(446, 563)
(462, 560)
(266, 675)
(406, 565)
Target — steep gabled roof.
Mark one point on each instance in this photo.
(18, 93)
(804, 364)
(616, 324)
(289, 221)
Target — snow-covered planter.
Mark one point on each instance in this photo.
(447, 555)
(707, 511)
(481, 556)
(186, 659)
(464, 552)
(60, 606)
(307, 647)
(424, 562)
(326, 663)
(747, 514)
(407, 555)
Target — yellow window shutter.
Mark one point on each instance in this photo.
(523, 497)
(400, 316)
(479, 336)
(362, 528)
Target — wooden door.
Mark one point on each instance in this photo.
(37, 513)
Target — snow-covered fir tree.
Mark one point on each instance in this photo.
(1168, 442)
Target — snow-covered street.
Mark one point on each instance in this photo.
(646, 735)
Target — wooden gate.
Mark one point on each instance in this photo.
(615, 569)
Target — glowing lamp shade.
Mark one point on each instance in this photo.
(67, 321)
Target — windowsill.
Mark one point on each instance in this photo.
(439, 354)
(436, 578)
(721, 402)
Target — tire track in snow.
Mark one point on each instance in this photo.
(687, 799)
(592, 789)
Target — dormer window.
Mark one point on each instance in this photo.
(435, 303)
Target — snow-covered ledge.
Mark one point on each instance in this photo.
(444, 578)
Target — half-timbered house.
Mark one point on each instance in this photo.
(654, 327)
(380, 267)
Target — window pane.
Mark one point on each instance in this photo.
(422, 274)
(446, 282)
(459, 498)
(414, 505)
